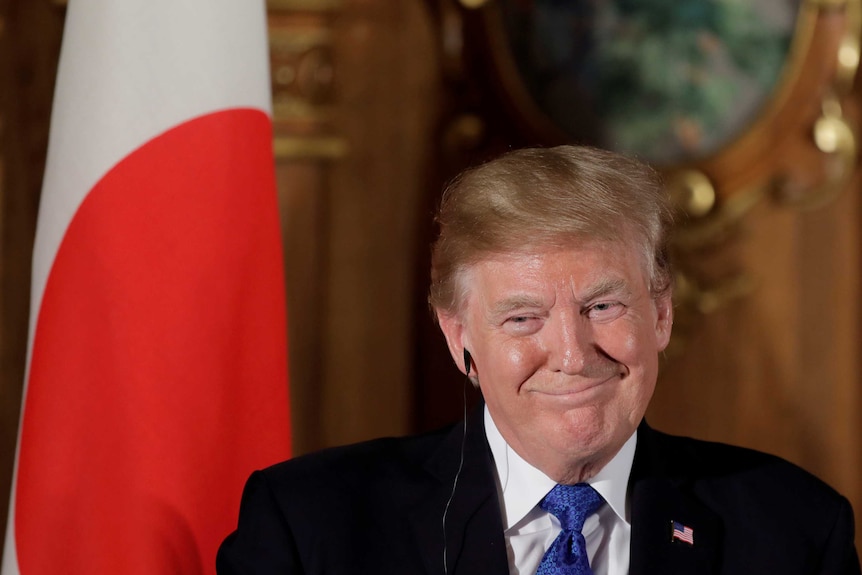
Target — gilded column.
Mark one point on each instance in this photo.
(306, 144)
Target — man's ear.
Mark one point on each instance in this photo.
(663, 320)
(453, 330)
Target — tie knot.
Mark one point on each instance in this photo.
(571, 504)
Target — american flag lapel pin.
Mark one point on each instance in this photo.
(682, 533)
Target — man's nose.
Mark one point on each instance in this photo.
(570, 344)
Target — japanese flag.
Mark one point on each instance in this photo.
(157, 370)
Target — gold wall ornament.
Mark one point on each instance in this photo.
(848, 50)
(708, 300)
(692, 191)
(463, 133)
(834, 136)
(708, 225)
(473, 4)
(703, 228)
(303, 78)
(309, 148)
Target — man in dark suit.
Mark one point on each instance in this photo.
(551, 284)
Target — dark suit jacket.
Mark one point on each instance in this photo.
(377, 508)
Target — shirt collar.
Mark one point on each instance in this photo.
(521, 486)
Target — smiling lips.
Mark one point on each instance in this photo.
(578, 388)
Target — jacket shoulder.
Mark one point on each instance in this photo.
(768, 514)
(357, 466)
(702, 461)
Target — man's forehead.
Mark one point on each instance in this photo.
(512, 280)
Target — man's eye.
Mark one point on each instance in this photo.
(605, 310)
(522, 324)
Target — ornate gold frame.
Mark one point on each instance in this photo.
(301, 39)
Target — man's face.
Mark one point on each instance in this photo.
(565, 346)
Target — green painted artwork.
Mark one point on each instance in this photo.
(665, 80)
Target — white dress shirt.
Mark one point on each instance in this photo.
(529, 530)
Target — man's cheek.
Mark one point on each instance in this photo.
(515, 357)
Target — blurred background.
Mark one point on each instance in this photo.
(749, 109)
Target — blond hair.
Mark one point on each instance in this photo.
(548, 198)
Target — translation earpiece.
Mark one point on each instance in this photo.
(468, 360)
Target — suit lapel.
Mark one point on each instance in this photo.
(660, 497)
(474, 529)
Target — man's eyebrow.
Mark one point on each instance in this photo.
(605, 287)
(513, 303)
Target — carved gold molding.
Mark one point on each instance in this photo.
(473, 4)
(322, 147)
(303, 79)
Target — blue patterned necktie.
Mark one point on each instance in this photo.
(570, 504)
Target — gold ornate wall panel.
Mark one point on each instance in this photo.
(303, 79)
(354, 91)
(306, 144)
(388, 94)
